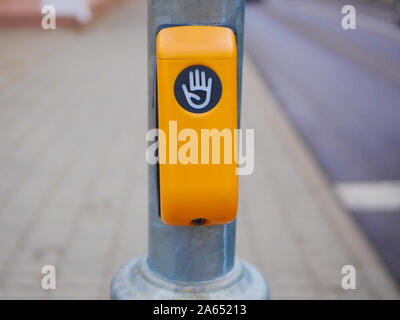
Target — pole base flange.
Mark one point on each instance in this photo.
(136, 281)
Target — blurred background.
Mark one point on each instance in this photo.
(341, 90)
(325, 105)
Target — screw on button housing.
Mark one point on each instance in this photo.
(198, 221)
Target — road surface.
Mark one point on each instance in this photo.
(341, 90)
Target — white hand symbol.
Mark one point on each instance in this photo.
(197, 84)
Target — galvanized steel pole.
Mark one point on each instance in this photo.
(188, 262)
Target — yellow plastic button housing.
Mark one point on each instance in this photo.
(197, 91)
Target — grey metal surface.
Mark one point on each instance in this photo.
(135, 281)
(188, 253)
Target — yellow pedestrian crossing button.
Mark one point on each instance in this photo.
(197, 115)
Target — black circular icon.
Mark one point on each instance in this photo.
(197, 89)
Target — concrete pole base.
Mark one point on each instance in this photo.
(135, 281)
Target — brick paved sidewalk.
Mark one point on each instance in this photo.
(73, 173)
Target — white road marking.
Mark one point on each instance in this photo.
(373, 196)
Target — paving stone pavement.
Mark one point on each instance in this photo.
(73, 173)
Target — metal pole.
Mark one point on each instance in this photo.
(188, 262)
